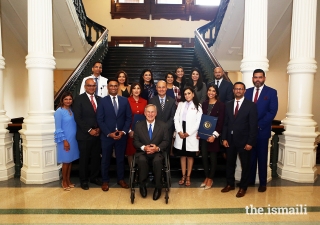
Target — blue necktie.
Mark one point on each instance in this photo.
(150, 131)
(115, 106)
(97, 88)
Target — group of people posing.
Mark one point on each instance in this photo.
(100, 121)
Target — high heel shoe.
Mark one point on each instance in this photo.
(204, 182)
(183, 180)
(188, 183)
(65, 188)
(208, 184)
(72, 185)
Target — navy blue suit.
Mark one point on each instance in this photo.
(225, 90)
(108, 122)
(267, 106)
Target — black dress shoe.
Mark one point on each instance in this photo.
(241, 193)
(227, 188)
(96, 181)
(262, 188)
(143, 191)
(85, 186)
(156, 194)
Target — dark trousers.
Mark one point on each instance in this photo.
(259, 154)
(107, 149)
(89, 155)
(244, 156)
(142, 160)
(209, 173)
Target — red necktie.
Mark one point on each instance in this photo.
(236, 109)
(256, 96)
(93, 104)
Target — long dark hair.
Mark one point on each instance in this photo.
(195, 99)
(141, 80)
(215, 88)
(65, 94)
(183, 79)
(199, 84)
(125, 75)
(133, 85)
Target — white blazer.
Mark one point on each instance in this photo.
(102, 85)
(193, 119)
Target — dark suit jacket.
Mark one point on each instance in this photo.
(225, 91)
(85, 116)
(244, 126)
(168, 112)
(107, 118)
(267, 106)
(160, 135)
(218, 110)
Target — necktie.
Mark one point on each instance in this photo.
(217, 83)
(256, 96)
(93, 103)
(236, 109)
(115, 106)
(97, 88)
(150, 131)
(162, 104)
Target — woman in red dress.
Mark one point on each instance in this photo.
(137, 105)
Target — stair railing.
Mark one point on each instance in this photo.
(205, 57)
(96, 53)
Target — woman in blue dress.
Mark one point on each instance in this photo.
(65, 137)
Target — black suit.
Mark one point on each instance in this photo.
(166, 115)
(239, 131)
(160, 139)
(89, 146)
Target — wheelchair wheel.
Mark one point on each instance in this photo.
(167, 196)
(132, 196)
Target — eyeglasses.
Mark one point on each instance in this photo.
(238, 89)
(91, 85)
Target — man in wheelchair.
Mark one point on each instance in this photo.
(151, 140)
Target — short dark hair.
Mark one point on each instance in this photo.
(65, 94)
(238, 82)
(96, 63)
(112, 79)
(125, 75)
(259, 71)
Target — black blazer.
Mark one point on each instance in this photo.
(160, 135)
(85, 116)
(168, 112)
(244, 126)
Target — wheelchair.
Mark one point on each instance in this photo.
(166, 177)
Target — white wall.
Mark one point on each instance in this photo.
(16, 101)
(138, 27)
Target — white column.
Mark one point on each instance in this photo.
(254, 51)
(255, 39)
(39, 149)
(297, 147)
(6, 152)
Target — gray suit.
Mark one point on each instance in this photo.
(167, 114)
(160, 139)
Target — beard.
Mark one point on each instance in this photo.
(258, 84)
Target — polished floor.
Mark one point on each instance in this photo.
(284, 202)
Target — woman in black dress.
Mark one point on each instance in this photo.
(124, 87)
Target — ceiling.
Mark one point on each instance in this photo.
(70, 45)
